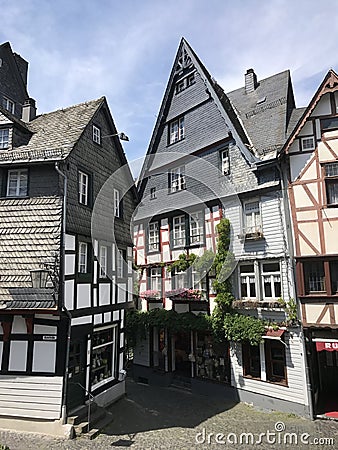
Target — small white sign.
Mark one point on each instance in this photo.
(49, 338)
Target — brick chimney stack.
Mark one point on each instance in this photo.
(250, 81)
(29, 110)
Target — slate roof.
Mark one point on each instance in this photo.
(30, 231)
(296, 114)
(27, 298)
(53, 134)
(264, 112)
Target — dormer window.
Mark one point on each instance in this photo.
(176, 130)
(96, 134)
(308, 143)
(8, 104)
(225, 160)
(4, 138)
(177, 179)
(17, 183)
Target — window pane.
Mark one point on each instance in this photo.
(314, 276)
(332, 192)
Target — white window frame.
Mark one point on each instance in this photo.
(179, 237)
(155, 279)
(119, 264)
(103, 261)
(176, 130)
(117, 206)
(153, 237)
(96, 134)
(177, 179)
(17, 183)
(252, 217)
(331, 183)
(96, 350)
(225, 161)
(83, 188)
(8, 104)
(152, 193)
(4, 138)
(196, 228)
(308, 143)
(247, 279)
(83, 257)
(272, 277)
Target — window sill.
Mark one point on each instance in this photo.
(176, 142)
(251, 377)
(175, 192)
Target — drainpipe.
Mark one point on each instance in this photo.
(289, 242)
(62, 292)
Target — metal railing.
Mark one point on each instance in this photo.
(90, 399)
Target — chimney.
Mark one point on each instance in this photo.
(29, 110)
(22, 66)
(250, 81)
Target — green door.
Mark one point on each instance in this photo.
(77, 373)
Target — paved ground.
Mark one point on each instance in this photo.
(167, 418)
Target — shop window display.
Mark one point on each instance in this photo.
(212, 359)
(103, 356)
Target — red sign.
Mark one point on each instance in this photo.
(327, 346)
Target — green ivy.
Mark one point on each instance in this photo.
(239, 328)
(290, 308)
(183, 263)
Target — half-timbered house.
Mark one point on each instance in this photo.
(63, 280)
(213, 155)
(311, 166)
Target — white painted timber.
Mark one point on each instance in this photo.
(69, 264)
(45, 329)
(18, 356)
(19, 325)
(83, 295)
(70, 242)
(104, 294)
(44, 356)
(69, 294)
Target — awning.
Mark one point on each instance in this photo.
(328, 345)
(274, 334)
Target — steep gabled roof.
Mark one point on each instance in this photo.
(329, 84)
(231, 119)
(5, 49)
(265, 112)
(54, 134)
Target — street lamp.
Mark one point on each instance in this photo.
(121, 136)
(39, 278)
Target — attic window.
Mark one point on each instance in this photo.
(225, 161)
(4, 138)
(184, 83)
(96, 134)
(8, 104)
(308, 143)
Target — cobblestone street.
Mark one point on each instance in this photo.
(167, 418)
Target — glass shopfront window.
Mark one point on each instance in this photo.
(212, 359)
(103, 356)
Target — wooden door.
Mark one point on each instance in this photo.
(77, 373)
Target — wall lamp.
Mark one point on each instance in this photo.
(121, 136)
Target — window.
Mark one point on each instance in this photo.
(153, 237)
(184, 83)
(179, 231)
(83, 188)
(190, 79)
(328, 124)
(103, 356)
(334, 276)
(152, 193)
(251, 360)
(275, 360)
(176, 130)
(4, 138)
(96, 134)
(225, 160)
(120, 263)
(196, 228)
(177, 179)
(248, 281)
(180, 86)
(83, 257)
(252, 218)
(155, 282)
(117, 204)
(179, 280)
(103, 261)
(17, 183)
(9, 105)
(314, 277)
(331, 183)
(271, 280)
(308, 143)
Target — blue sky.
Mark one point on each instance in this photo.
(79, 50)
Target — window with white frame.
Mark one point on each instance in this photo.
(17, 183)
(247, 281)
(96, 134)
(120, 263)
(153, 237)
(117, 203)
(177, 179)
(252, 217)
(83, 257)
(103, 356)
(8, 104)
(155, 280)
(196, 225)
(103, 261)
(308, 143)
(179, 231)
(225, 161)
(180, 280)
(4, 138)
(152, 193)
(331, 183)
(83, 188)
(271, 279)
(176, 130)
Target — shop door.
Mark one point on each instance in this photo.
(182, 350)
(77, 373)
(328, 395)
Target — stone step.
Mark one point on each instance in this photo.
(99, 426)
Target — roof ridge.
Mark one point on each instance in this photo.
(77, 105)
